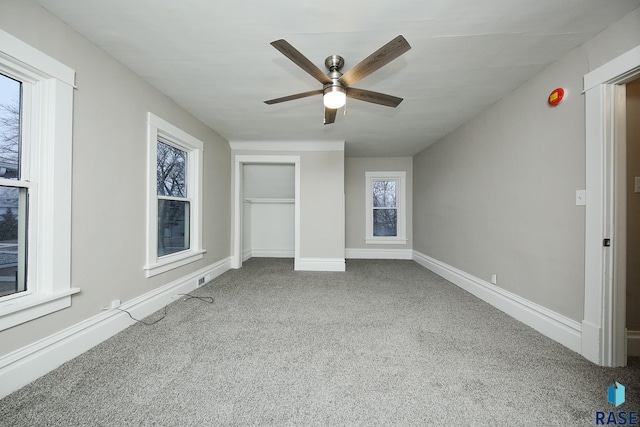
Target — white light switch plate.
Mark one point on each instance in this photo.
(636, 186)
(581, 197)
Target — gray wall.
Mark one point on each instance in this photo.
(355, 188)
(109, 174)
(633, 206)
(269, 181)
(497, 195)
(321, 201)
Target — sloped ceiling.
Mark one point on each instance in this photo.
(214, 59)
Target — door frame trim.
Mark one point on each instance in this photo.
(601, 327)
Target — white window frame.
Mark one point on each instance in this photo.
(172, 135)
(47, 158)
(401, 178)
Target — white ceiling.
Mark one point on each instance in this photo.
(213, 57)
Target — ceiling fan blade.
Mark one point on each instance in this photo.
(301, 61)
(377, 59)
(329, 115)
(292, 97)
(375, 97)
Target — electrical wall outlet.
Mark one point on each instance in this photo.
(113, 304)
(494, 279)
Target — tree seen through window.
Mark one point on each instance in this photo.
(173, 204)
(385, 208)
(12, 193)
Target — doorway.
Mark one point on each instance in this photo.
(238, 241)
(604, 337)
(268, 210)
(632, 199)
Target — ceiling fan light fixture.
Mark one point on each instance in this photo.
(334, 97)
(335, 85)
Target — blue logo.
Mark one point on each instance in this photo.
(615, 394)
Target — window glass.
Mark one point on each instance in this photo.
(12, 240)
(385, 222)
(13, 210)
(173, 205)
(10, 117)
(385, 214)
(173, 226)
(384, 193)
(171, 171)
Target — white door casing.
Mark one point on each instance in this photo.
(603, 333)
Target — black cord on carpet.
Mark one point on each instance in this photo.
(208, 300)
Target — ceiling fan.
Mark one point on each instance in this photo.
(336, 87)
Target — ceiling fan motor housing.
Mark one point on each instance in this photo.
(334, 63)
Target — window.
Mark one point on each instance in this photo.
(385, 210)
(13, 190)
(173, 203)
(174, 211)
(36, 114)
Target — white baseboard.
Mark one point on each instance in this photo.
(272, 253)
(591, 344)
(320, 264)
(560, 328)
(377, 253)
(247, 255)
(633, 343)
(25, 365)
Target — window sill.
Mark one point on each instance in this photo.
(170, 262)
(386, 241)
(23, 309)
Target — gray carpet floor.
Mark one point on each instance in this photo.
(386, 343)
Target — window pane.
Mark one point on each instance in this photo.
(173, 226)
(10, 115)
(13, 214)
(385, 222)
(172, 171)
(384, 194)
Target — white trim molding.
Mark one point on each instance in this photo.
(21, 310)
(591, 341)
(603, 339)
(46, 163)
(287, 145)
(560, 328)
(161, 130)
(621, 68)
(376, 253)
(401, 213)
(24, 365)
(320, 264)
(15, 50)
